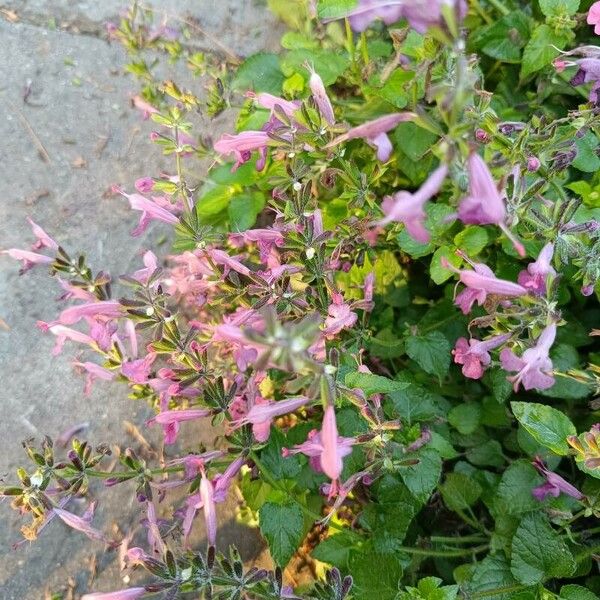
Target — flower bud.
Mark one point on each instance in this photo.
(533, 164)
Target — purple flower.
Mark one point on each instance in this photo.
(374, 132)
(242, 145)
(210, 511)
(480, 282)
(83, 524)
(319, 94)
(484, 204)
(588, 72)
(421, 14)
(93, 371)
(268, 101)
(407, 208)
(144, 185)
(339, 317)
(534, 368)
(138, 371)
(128, 594)
(171, 419)
(554, 485)
(537, 273)
(474, 356)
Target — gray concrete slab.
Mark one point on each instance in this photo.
(78, 110)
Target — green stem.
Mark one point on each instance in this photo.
(498, 591)
(499, 7)
(126, 474)
(457, 540)
(443, 553)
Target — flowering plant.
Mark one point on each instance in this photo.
(384, 293)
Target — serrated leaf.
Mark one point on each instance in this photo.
(282, 526)
(422, 478)
(513, 495)
(493, 573)
(335, 550)
(460, 491)
(438, 273)
(260, 73)
(541, 50)
(334, 9)
(538, 552)
(370, 383)
(431, 352)
(548, 426)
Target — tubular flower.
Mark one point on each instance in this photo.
(479, 282)
(407, 208)
(536, 276)
(534, 368)
(484, 204)
(242, 145)
(554, 485)
(593, 17)
(375, 133)
(319, 94)
(171, 419)
(474, 356)
(128, 594)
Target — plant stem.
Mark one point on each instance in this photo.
(457, 540)
(442, 553)
(498, 591)
(497, 4)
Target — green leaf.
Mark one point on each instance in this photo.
(576, 592)
(552, 8)
(260, 73)
(460, 491)
(488, 454)
(538, 552)
(465, 418)
(431, 352)
(496, 379)
(329, 65)
(422, 478)
(335, 549)
(493, 573)
(504, 39)
(282, 526)
(416, 403)
(513, 495)
(215, 200)
(373, 384)
(438, 273)
(388, 524)
(393, 90)
(565, 357)
(375, 575)
(548, 426)
(540, 50)
(413, 140)
(472, 240)
(243, 210)
(274, 462)
(587, 160)
(334, 9)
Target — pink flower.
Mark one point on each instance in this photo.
(319, 94)
(313, 448)
(332, 456)
(110, 309)
(223, 481)
(138, 371)
(29, 259)
(484, 205)
(128, 594)
(474, 354)
(210, 511)
(63, 334)
(171, 419)
(593, 17)
(242, 145)
(407, 208)
(151, 264)
(374, 133)
(264, 411)
(144, 185)
(534, 368)
(229, 262)
(480, 282)
(43, 239)
(150, 209)
(268, 101)
(145, 107)
(339, 317)
(554, 485)
(537, 273)
(83, 524)
(93, 371)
